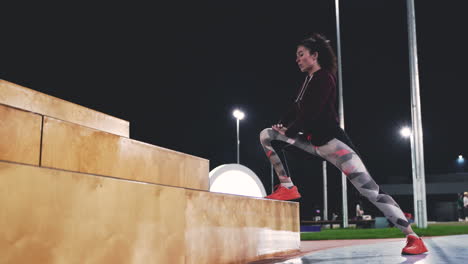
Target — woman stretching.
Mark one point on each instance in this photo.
(312, 125)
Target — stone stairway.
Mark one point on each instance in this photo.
(74, 188)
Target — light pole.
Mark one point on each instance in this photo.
(417, 149)
(344, 183)
(239, 115)
(418, 185)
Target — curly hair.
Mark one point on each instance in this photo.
(320, 44)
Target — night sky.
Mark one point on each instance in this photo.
(177, 70)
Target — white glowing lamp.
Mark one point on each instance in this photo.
(238, 114)
(405, 132)
(236, 179)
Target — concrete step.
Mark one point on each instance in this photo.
(73, 147)
(30, 100)
(55, 216)
(20, 135)
(30, 138)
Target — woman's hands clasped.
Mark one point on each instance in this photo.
(280, 128)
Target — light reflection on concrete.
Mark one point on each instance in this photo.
(271, 241)
(447, 249)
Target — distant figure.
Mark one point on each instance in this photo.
(461, 207)
(334, 216)
(311, 124)
(465, 204)
(359, 211)
(317, 216)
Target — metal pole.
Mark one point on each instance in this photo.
(413, 170)
(325, 195)
(417, 151)
(341, 111)
(238, 141)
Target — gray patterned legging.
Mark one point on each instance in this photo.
(346, 160)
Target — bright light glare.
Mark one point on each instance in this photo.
(238, 114)
(296, 261)
(236, 179)
(405, 132)
(236, 182)
(460, 157)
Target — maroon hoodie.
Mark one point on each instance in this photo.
(313, 111)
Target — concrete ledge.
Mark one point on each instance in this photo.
(20, 135)
(55, 216)
(72, 147)
(27, 99)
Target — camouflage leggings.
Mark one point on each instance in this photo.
(345, 159)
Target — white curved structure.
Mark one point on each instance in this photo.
(236, 179)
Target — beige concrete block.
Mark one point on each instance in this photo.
(20, 135)
(55, 217)
(30, 100)
(222, 228)
(76, 148)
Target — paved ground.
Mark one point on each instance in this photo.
(445, 249)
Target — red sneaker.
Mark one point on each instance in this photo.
(414, 246)
(284, 193)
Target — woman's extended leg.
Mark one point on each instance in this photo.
(346, 160)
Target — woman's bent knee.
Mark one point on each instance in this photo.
(265, 135)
